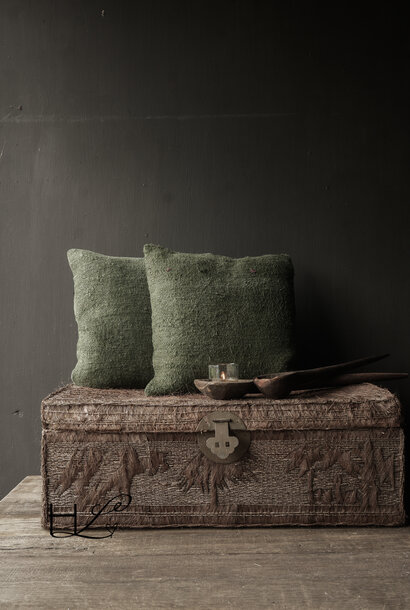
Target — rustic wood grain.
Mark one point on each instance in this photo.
(366, 568)
(225, 390)
(280, 385)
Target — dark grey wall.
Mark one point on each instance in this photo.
(238, 127)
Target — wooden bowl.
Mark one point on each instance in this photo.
(226, 390)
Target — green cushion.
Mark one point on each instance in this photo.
(208, 309)
(113, 313)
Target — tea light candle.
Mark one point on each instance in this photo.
(223, 372)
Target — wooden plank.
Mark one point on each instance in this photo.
(198, 568)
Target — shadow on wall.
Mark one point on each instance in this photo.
(324, 332)
(318, 340)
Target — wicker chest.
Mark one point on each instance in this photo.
(328, 457)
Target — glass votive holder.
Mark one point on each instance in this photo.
(223, 372)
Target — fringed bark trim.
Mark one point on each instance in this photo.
(360, 406)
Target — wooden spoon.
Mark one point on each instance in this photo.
(279, 385)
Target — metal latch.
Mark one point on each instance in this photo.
(223, 437)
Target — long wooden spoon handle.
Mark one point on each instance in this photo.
(280, 387)
(333, 369)
(350, 378)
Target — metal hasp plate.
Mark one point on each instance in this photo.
(223, 437)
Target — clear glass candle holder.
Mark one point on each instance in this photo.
(223, 372)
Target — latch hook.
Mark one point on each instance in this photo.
(223, 437)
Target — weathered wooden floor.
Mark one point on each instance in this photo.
(198, 568)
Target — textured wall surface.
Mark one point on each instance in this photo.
(237, 127)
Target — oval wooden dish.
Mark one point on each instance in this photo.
(226, 390)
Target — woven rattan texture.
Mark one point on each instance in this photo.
(333, 457)
(365, 405)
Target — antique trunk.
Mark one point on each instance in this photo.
(322, 457)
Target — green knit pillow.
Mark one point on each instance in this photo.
(208, 309)
(113, 313)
